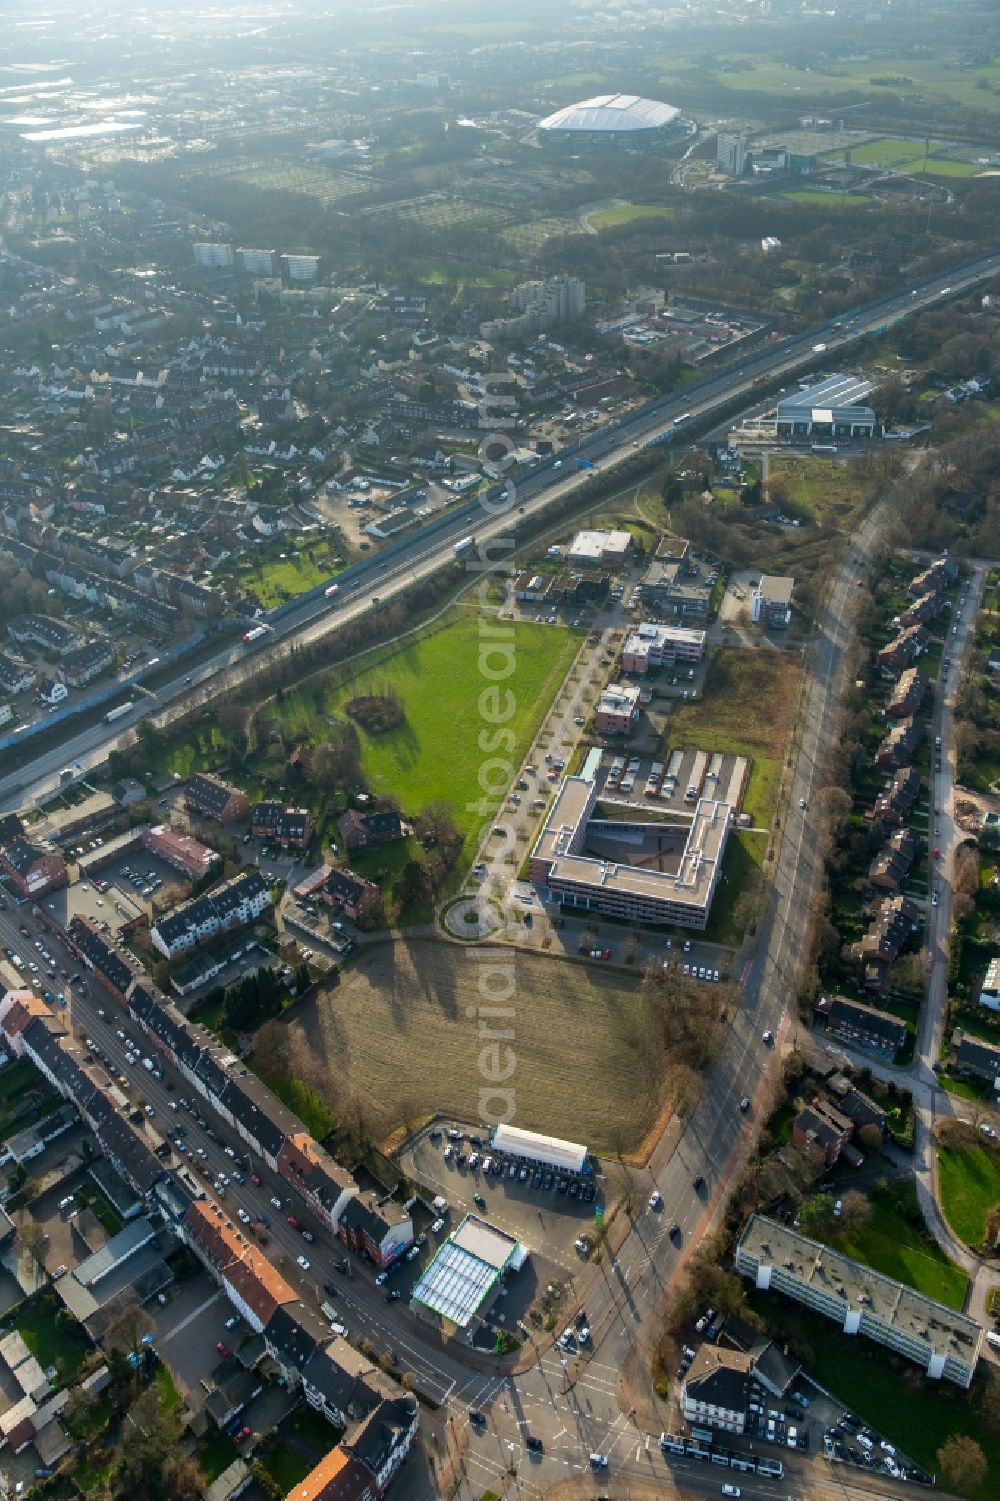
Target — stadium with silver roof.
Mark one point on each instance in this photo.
(611, 120)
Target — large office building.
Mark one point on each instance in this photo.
(256, 262)
(213, 257)
(863, 1302)
(835, 408)
(731, 154)
(651, 645)
(572, 860)
(611, 120)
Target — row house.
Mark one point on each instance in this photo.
(904, 650)
(42, 630)
(210, 797)
(236, 904)
(895, 802)
(861, 1026)
(975, 1059)
(255, 1287)
(822, 1132)
(896, 921)
(351, 894)
(180, 851)
(894, 860)
(942, 572)
(80, 667)
(15, 676)
(361, 831)
(908, 694)
(900, 745)
(323, 1183)
(377, 1228)
(116, 968)
(292, 828)
(923, 610)
(31, 869)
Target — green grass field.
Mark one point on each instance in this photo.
(891, 1242)
(938, 77)
(828, 200)
(969, 1177)
(281, 578)
(744, 860)
(445, 744)
(626, 213)
(747, 708)
(906, 156)
(53, 1336)
(825, 488)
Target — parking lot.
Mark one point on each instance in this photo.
(544, 1219)
(666, 784)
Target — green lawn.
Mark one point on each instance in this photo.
(894, 1242)
(284, 1465)
(626, 213)
(53, 1336)
(285, 577)
(830, 200)
(887, 1391)
(214, 1454)
(743, 862)
(313, 1428)
(446, 749)
(169, 1395)
(969, 1177)
(938, 77)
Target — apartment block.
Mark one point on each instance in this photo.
(862, 1302)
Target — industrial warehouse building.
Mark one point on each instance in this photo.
(611, 120)
(835, 408)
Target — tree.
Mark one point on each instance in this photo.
(870, 1139)
(989, 1402)
(962, 1462)
(33, 1238)
(411, 885)
(855, 1209)
(128, 1326)
(816, 1214)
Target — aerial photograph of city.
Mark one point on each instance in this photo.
(500, 750)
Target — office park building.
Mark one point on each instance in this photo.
(631, 866)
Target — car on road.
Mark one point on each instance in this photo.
(381, 1279)
(675, 1231)
(393, 1296)
(744, 1104)
(656, 1199)
(255, 1180)
(534, 1445)
(698, 1183)
(802, 802)
(275, 1201)
(731, 1490)
(303, 1262)
(479, 1201)
(221, 1348)
(769, 1039)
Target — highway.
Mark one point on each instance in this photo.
(396, 567)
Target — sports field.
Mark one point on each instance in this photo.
(908, 156)
(618, 214)
(401, 1031)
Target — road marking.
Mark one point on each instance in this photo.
(164, 1339)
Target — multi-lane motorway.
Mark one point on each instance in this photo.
(400, 564)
